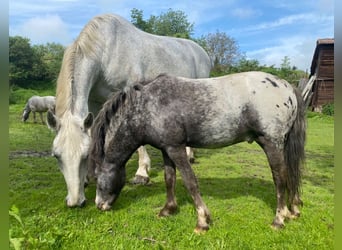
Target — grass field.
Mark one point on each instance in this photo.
(235, 183)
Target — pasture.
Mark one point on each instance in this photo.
(235, 183)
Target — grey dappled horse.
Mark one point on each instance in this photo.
(38, 104)
(171, 113)
(109, 54)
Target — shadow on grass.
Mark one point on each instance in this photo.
(217, 188)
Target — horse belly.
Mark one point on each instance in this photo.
(216, 133)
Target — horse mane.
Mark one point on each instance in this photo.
(101, 124)
(88, 44)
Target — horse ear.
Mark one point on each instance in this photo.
(51, 120)
(88, 121)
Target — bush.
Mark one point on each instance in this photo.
(328, 109)
(20, 96)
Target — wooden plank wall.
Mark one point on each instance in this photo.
(324, 85)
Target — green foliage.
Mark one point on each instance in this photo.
(328, 109)
(51, 56)
(292, 75)
(30, 64)
(20, 95)
(21, 60)
(139, 22)
(172, 23)
(21, 237)
(16, 242)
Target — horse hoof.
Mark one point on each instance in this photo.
(294, 215)
(276, 226)
(167, 211)
(201, 230)
(140, 180)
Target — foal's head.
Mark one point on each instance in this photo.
(110, 181)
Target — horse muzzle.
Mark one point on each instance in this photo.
(72, 204)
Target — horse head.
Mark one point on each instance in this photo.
(70, 147)
(25, 115)
(110, 181)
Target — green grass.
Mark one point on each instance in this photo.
(235, 183)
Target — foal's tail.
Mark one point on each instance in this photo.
(294, 148)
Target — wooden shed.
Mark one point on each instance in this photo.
(322, 71)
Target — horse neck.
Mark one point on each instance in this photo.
(76, 79)
(121, 144)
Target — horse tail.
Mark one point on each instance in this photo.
(294, 152)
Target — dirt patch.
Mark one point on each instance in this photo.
(28, 153)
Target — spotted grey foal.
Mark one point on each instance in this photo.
(171, 113)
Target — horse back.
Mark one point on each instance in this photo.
(215, 112)
(41, 103)
(141, 56)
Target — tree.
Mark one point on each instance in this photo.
(21, 58)
(223, 51)
(51, 56)
(22, 61)
(29, 64)
(171, 23)
(245, 65)
(285, 65)
(139, 22)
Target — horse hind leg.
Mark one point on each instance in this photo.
(170, 181)
(295, 203)
(179, 157)
(141, 176)
(276, 161)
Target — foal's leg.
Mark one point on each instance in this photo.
(34, 116)
(275, 158)
(178, 156)
(170, 181)
(295, 202)
(141, 176)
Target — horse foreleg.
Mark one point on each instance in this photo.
(178, 156)
(41, 117)
(170, 181)
(34, 116)
(141, 176)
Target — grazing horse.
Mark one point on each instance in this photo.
(109, 54)
(171, 113)
(38, 104)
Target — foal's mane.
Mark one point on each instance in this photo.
(114, 105)
(88, 44)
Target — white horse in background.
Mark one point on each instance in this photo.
(109, 54)
(38, 104)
